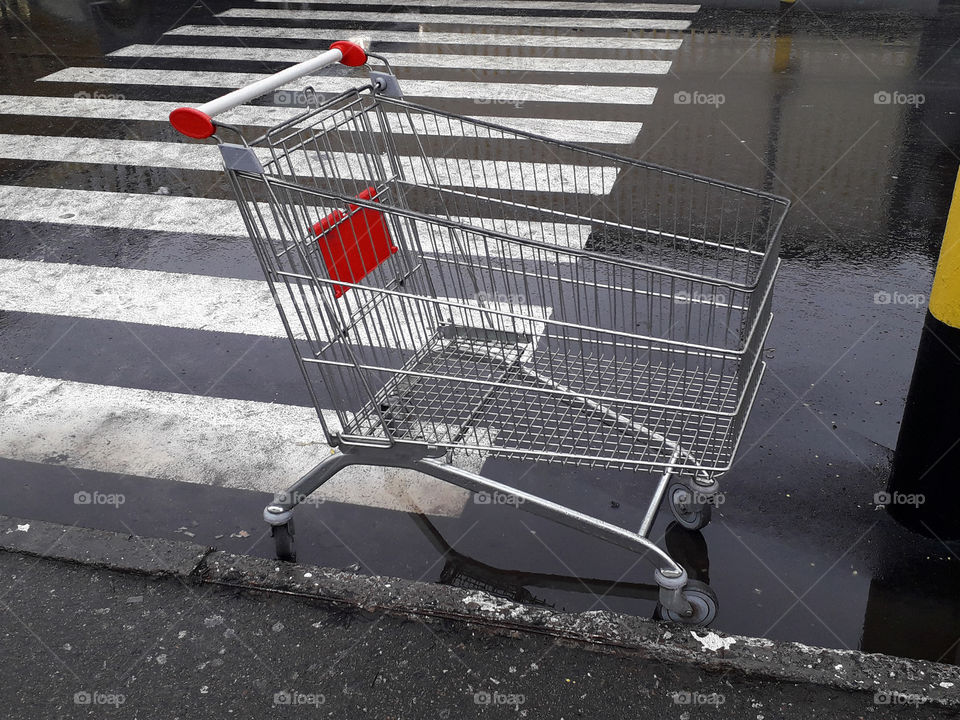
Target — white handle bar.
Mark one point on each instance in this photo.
(198, 122)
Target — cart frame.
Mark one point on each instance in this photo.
(693, 439)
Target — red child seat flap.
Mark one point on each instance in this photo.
(353, 247)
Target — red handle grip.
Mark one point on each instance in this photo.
(198, 122)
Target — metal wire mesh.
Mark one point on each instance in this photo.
(544, 301)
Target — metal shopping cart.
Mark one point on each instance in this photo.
(453, 287)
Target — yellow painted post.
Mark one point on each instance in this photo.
(945, 296)
(924, 488)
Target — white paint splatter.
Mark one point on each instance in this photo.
(489, 603)
(712, 641)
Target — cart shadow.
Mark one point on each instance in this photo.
(689, 548)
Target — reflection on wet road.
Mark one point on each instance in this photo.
(124, 268)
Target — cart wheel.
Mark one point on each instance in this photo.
(690, 515)
(702, 599)
(283, 542)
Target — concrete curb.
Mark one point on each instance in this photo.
(919, 680)
(108, 550)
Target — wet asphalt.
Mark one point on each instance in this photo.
(799, 549)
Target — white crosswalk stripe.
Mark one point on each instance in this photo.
(451, 171)
(458, 90)
(530, 5)
(523, 45)
(400, 60)
(147, 297)
(133, 211)
(188, 438)
(153, 297)
(259, 445)
(177, 214)
(103, 108)
(611, 23)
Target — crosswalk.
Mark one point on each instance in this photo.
(582, 72)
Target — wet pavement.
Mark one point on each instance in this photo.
(824, 108)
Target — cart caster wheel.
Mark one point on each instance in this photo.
(703, 601)
(692, 516)
(283, 542)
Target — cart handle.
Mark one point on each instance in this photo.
(198, 122)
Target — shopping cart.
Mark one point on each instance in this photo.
(453, 287)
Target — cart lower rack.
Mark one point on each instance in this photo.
(454, 287)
